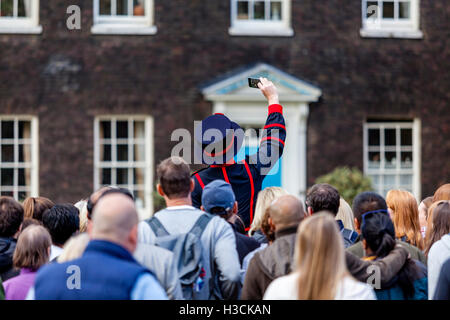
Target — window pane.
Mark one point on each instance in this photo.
(122, 7)
(24, 129)
(406, 180)
(406, 137)
(139, 130)
(105, 7)
(259, 10)
(139, 152)
(105, 152)
(7, 193)
(23, 195)
(24, 153)
(242, 10)
(7, 129)
(139, 8)
(24, 8)
(389, 137)
(138, 176)
(375, 180)
(389, 180)
(122, 152)
(7, 153)
(372, 9)
(24, 177)
(122, 176)
(390, 160)
(7, 8)
(275, 11)
(106, 176)
(406, 160)
(122, 130)
(105, 130)
(404, 10)
(7, 177)
(374, 160)
(374, 137)
(388, 9)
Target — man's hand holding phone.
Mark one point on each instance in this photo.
(269, 90)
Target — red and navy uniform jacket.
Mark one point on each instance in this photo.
(246, 177)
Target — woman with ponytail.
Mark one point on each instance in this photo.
(34, 207)
(378, 234)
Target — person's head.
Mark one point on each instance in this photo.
(33, 248)
(34, 207)
(423, 210)
(74, 247)
(322, 197)
(62, 221)
(218, 198)
(92, 200)
(82, 208)
(11, 217)
(29, 222)
(174, 179)
(265, 198)
(365, 202)
(115, 219)
(378, 234)
(442, 193)
(319, 257)
(286, 211)
(440, 225)
(345, 214)
(405, 214)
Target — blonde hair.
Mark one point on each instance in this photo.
(406, 216)
(265, 198)
(82, 208)
(74, 248)
(34, 207)
(32, 249)
(319, 257)
(345, 214)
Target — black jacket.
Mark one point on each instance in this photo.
(245, 245)
(7, 247)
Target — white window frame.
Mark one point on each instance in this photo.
(33, 188)
(379, 27)
(415, 125)
(147, 165)
(22, 25)
(262, 27)
(124, 25)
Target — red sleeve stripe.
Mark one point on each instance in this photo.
(272, 138)
(225, 175)
(252, 188)
(200, 180)
(279, 125)
(275, 108)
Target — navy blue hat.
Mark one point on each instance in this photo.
(219, 194)
(218, 139)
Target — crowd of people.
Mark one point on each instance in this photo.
(319, 249)
(222, 236)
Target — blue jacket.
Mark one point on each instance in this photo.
(107, 272)
(246, 177)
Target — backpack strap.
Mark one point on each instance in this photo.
(200, 224)
(157, 227)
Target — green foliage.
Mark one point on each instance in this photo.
(348, 181)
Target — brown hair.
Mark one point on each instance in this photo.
(438, 223)
(174, 177)
(30, 222)
(319, 257)
(32, 248)
(442, 193)
(265, 227)
(406, 216)
(34, 207)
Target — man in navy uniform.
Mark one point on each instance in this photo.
(219, 140)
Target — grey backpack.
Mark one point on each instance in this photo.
(187, 252)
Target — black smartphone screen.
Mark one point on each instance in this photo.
(253, 83)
